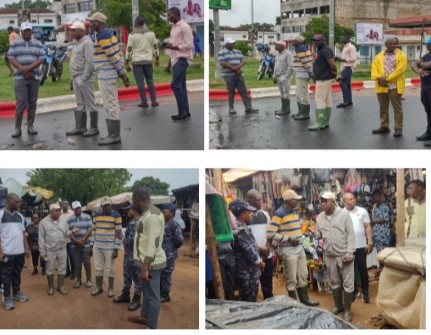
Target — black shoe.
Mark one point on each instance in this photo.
(135, 304)
(381, 130)
(349, 104)
(365, 299)
(68, 274)
(398, 133)
(31, 131)
(35, 272)
(165, 298)
(424, 137)
(252, 110)
(342, 105)
(181, 117)
(124, 297)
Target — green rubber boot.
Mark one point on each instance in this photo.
(348, 297)
(303, 297)
(60, 287)
(98, 289)
(336, 293)
(320, 120)
(50, 284)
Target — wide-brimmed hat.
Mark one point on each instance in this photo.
(98, 16)
(291, 194)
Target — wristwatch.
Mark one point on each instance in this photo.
(370, 243)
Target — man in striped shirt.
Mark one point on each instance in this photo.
(285, 228)
(26, 55)
(107, 240)
(108, 62)
(232, 60)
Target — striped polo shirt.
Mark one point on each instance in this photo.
(26, 53)
(105, 228)
(231, 57)
(302, 62)
(85, 224)
(108, 60)
(284, 224)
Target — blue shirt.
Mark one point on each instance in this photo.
(233, 58)
(84, 223)
(426, 80)
(26, 53)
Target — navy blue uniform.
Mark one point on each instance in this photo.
(130, 270)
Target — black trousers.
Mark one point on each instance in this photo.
(426, 101)
(35, 259)
(361, 263)
(11, 268)
(266, 279)
(227, 272)
(70, 265)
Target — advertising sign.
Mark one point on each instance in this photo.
(369, 33)
(220, 4)
(192, 11)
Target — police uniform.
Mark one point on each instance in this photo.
(130, 270)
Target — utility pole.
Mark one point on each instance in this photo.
(217, 46)
(331, 24)
(135, 10)
(252, 15)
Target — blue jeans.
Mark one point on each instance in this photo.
(141, 73)
(346, 89)
(151, 299)
(178, 85)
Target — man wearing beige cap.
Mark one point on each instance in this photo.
(109, 65)
(335, 227)
(303, 67)
(285, 228)
(107, 236)
(283, 70)
(82, 72)
(53, 235)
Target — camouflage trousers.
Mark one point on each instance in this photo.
(166, 278)
(131, 273)
(248, 280)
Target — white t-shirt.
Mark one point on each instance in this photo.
(359, 218)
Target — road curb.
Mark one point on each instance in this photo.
(47, 105)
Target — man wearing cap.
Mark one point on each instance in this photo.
(149, 256)
(303, 67)
(172, 240)
(363, 242)
(283, 70)
(259, 223)
(248, 262)
(285, 229)
(82, 72)
(348, 65)
(181, 56)
(13, 248)
(130, 270)
(108, 62)
(335, 227)
(81, 243)
(107, 236)
(324, 71)
(231, 60)
(422, 67)
(388, 70)
(26, 55)
(53, 236)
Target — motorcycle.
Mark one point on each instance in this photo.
(267, 62)
(53, 65)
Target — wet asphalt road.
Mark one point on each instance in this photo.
(350, 128)
(141, 129)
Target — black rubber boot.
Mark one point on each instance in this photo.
(80, 124)
(303, 297)
(123, 297)
(98, 289)
(336, 293)
(94, 130)
(292, 294)
(135, 304)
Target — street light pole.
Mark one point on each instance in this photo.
(331, 23)
(252, 15)
(135, 10)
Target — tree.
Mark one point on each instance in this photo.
(29, 4)
(320, 25)
(4, 42)
(154, 186)
(83, 185)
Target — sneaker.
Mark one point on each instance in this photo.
(7, 304)
(20, 297)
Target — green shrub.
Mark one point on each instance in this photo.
(243, 46)
(4, 42)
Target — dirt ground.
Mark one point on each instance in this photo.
(363, 315)
(78, 309)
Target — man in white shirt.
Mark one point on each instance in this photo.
(363, 242)
(348, 65)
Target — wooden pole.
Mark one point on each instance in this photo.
(217, 181)
(399, 224)
(212, 252)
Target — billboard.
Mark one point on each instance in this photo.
(192, 11)
(369, 33)
(220, 4)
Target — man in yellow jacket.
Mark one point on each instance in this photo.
(388, 71)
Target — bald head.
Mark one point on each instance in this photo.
(254, 198)
(349, 200)
(391, 44)
(12, 202)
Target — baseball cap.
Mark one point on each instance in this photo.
(78, 25)
(283, 43)
(76, 204)
(299, 39)
(229, 40)
(328, 195)
(169, 206)
(291, 194)
(318, 37)
(427, 41)
(98, 16)
(55, 205)
(26, 25)
(237, 206)
(105, 201)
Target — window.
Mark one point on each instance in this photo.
(287, 29)
(85, 6)
(47, 20)
(69, 8)
(11, 21)
(33, 21)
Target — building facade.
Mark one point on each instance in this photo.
(43, 16)
(76, 10)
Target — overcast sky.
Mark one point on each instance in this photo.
(176, 178)
(265, 11)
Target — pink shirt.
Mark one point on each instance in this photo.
(181, 37)
(349, 55)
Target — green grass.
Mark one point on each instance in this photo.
(251, 66)
(50, 89)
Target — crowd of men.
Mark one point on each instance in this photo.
(99, 52)
(67, 238)
(387, 71)
(349, 234)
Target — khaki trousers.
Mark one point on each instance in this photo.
(103, 258)
(109, 91)
(60, 256)
(339, 271)
(296, 268)
(302, 95)
(284, 86)
(323, 94)
(395, 99)
(84, 94)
